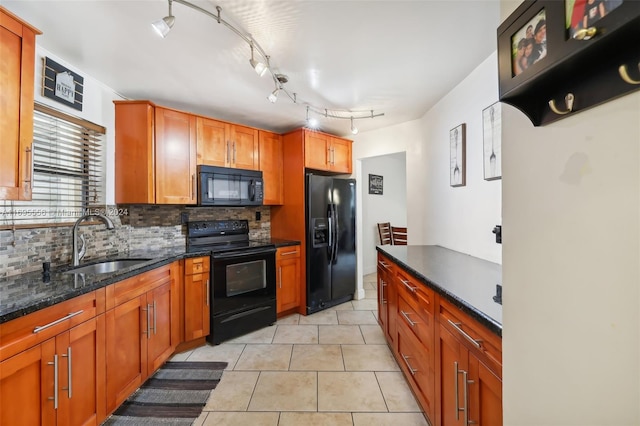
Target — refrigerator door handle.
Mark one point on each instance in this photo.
(330, 231)
(335, 237)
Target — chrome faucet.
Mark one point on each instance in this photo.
(78, 255)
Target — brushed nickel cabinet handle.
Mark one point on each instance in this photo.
(288, 253)
(29, 166)
(406, 317)
(455, 388)
(39, 328)
(234, 152)
(456, 325)
(406, 361)
(55, 381)
(69, 374)
(207, 287)
(155, 326)
(407, 284)
(280, 274)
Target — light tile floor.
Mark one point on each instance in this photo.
(330, 368)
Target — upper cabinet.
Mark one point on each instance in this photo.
(556, 58)
(326, 152)
(155, 154)
(272, 167)
(226, 145)
(17, 65)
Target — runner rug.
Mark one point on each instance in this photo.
(175, 395)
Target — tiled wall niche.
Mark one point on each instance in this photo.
(143, 226)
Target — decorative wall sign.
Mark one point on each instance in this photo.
(375, 184)
(457, 149)
(61, 84)
(492, 146)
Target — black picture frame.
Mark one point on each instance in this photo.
(375, 184)
(458, 155)
(491, 141)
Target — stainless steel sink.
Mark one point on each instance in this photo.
(105, 267)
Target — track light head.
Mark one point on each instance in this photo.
(273, 96)
(354, 129)
(258, 66)
(164, 25)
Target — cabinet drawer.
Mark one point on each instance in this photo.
(138, 285)
(486, 345)
(22, 333)
(421, 327)
(289, 252)
(196, 265)
(419, 296)
(385, 264)
(415, 360)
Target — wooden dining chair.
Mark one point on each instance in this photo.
(399, 235)
(384, 230)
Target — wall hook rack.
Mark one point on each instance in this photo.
(569, 102)
(624, 73)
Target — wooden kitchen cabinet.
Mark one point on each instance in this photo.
(288, 278)
(387, 300)
(226, 145)
(140, 334)
(327, 152)
(271, 167)
(69, 346)
(197, 298)
(17, 50)
(472, 356)
(155, 154)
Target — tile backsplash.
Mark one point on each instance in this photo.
(137, 227)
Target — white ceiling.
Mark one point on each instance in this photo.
(393, 57)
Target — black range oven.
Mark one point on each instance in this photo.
(243, 277)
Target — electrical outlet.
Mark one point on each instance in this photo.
(184, 217)
(258, 216)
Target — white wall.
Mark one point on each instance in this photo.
(391, 206)
(458, 218)
(571, 267)
(97, 108)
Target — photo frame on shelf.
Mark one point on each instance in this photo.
(457, 157)
(584, 14)
(492, 141)
(529, 43)
(375, 184)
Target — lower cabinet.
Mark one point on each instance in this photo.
(287, 278)
(139, 332)
(60, 380)
(197, 298)
(451, 362)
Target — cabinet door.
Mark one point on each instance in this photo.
(175, 157)
(288, 290)
(382, 300)
(17, 50)
(453, 361)
(26, 384)
(271, 165)
(159, 343)
(316, 151)
(485, 394)
(197, 309)
(81, 374)
(212, 142)
(126, 350)
(340, 155)
(244, 149)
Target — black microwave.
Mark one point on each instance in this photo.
(222, 186)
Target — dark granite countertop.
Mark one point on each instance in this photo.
(26, 293)
(466, 281)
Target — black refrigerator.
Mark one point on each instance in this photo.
(331, 241)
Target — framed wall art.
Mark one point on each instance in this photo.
(491, 141)
(457, 149)
(375, 184)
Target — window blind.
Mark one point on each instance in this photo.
(68, 171)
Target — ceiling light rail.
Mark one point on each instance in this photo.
(164, 25)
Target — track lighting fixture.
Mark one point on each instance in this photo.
(164, 25)
(354, 129)
(258, 66)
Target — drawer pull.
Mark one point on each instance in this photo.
(69, 374)
(288, 253)
(384, 265)
(406, 317)
(55, 381)
(38, 329)
(384, 284)
(412, 370)
(456, 325)
(408, 286)
(207, 288)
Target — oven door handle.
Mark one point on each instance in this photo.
(243, 253)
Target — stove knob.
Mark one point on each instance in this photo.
(204, 226)
(195, 226)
